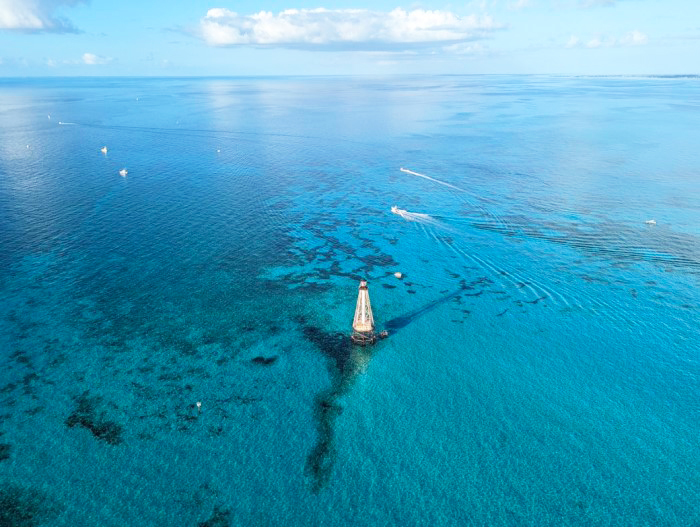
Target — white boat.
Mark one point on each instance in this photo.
(103, 149)
(650, 222)
(123, 172)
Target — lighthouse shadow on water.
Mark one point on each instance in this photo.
(400, 322)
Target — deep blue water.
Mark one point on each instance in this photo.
(543, 363)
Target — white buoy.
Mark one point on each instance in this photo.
(199, 406)
(123, 172)
(218, 151)
(397, 274)
(650, 222)
(103, 149)
(49, 116)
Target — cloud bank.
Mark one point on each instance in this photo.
(35, 15)
(342, 28)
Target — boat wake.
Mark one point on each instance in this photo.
(407, 171)
(467, 198)
(415, 216)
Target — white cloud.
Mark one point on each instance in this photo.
(342, 28)
(573, 42)
(597, 42)
(633, 38)
(92, 59)
(35, 15)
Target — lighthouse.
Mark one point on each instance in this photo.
(363, 323)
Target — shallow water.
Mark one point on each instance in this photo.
(542, 366)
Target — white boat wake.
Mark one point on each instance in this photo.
(414, 216)
(407, 171)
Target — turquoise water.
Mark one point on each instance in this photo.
(543, 363)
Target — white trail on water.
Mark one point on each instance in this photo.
(418, 217)
(407, 171)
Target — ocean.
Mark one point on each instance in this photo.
(174, 343)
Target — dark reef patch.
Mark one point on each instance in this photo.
(24, 507)
(4, 452)
(346, 361)
(8, 387)
(88, 415)
(264, 361)
(219, 518)
(319, 463)
(378, 260)
(336, 347)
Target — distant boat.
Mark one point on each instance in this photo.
(103, 149)
(123, 172)
(650, 222)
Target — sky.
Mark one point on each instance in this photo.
(329, 37)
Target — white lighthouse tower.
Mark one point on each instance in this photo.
(363, 323)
